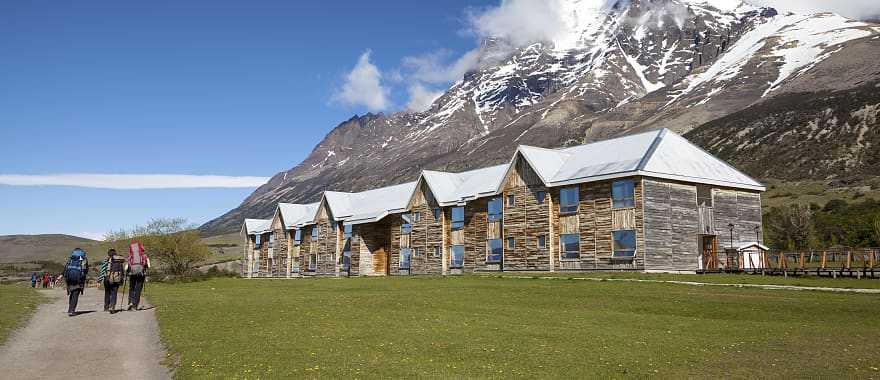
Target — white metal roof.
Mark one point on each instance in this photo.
(660, 153)
(452, 188)
(296, 215)
(256, 226)
(371, 205)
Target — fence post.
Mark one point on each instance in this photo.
(824, 259)
(803, 262)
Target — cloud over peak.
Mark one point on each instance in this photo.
(363, 86)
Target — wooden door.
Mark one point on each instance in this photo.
(709, 252)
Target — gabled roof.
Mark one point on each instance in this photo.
(660, 153)
(453, 188)
(296, 215)
(256, 226)
(371, 205)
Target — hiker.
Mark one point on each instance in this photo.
(45, 280)
(138, 263)
(112, 276)
(75, 271)
(34, 280)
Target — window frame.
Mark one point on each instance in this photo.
(614, 245)
(297, 236)
(491, 256)
(628, 200)
(542, 241)
(569, 255)
(438, 252)
(510, 242)
(313, 262)
(564, 208)
(702, 197)
(541, 196)
(437, 212)
(416, 217)
(406, 226)
(347, 231)
(400, 260)
(510, 200)
(496, 216)
(316, 233)
(457, 225)
(452, 249)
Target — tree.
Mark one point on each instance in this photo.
(877, 228)
(172, 244)
(791, 227)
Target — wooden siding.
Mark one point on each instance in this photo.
(427, 234)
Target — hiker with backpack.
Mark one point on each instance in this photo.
(75, 270)
(34, 280)
(112, 275)
(138, 263)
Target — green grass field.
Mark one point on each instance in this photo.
(756, 279)
(483, 327)
(17, 302)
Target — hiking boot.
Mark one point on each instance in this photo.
(131, 307)
(70, 314)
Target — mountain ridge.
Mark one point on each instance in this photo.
(623, 69)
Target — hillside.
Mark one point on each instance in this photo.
(55, 247)
(619, 69)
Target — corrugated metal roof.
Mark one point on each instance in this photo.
(295, 215)
(257, 226)
(452, 188)
(371, 205)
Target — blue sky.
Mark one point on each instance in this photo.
(229, 88)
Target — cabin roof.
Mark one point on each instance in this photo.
(256, 226)
(371, 205)
(660, 153)
(451, 188)
(296, 215)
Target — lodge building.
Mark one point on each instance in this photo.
(646, 202)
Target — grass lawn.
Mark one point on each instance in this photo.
(474, 326)
(715, 278)
(17, 302)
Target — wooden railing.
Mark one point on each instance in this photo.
(842, 262)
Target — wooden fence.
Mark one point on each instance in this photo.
(861, 262)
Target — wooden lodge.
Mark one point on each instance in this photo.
(647, 202)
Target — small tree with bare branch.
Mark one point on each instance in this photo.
(172, 244)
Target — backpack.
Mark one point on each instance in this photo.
(115, 269)
(74, 269)
(137, 260)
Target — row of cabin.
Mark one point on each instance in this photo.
(646, 202)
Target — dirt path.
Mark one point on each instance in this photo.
(92, 345)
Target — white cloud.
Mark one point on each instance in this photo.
(363, 86)
(520, 22)
(435, 67)
(858, 9)
(421, 98)
(132, 181)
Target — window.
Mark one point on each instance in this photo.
(511, 243)
(437, 251)
(417, 216)
(570, 245)
(494, 209)
(495, 251)
(406, 227)
(623, 193)
(418, 252)
(437, 213)
(511, 200)
(347, 230)
(313, 262)
(405, 258)
(457, 218)
(704, 196)
(257, 241)
(540, 196)
(568, 199)
(457, 257)
(315, 233)
(333, 226)
(271, 239)
(346, 259)
(624, 244)
(542, 241)
(298, 236)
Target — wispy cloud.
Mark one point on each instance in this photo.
(363, 86)
(421, 98)
(132, 181)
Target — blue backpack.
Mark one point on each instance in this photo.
(75, 269)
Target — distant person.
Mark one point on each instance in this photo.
(113, 269)
(75, 271)
(34, 280)
(138, 263)
(45, 280)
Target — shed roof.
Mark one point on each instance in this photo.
(660, 153)
(296, 215)
(452, 188)
(256, 226)
(371, 205)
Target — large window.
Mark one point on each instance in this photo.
(347, 229)
(495, 251)
(495, 210)
(346, 259)
(540, 196)
(568, 200)
(406, 227)
(624, 194)
(258, 240)
(570, 246)
(457, 218)
(456, 259)
(298, 236)
(624, 244)
(405, 258)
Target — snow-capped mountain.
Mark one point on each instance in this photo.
(614, 67)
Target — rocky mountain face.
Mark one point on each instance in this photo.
(620, 67)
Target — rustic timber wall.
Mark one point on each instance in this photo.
(279, 248)
(525, 220)
(427, 234)
(373, 247)
(741, 208)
